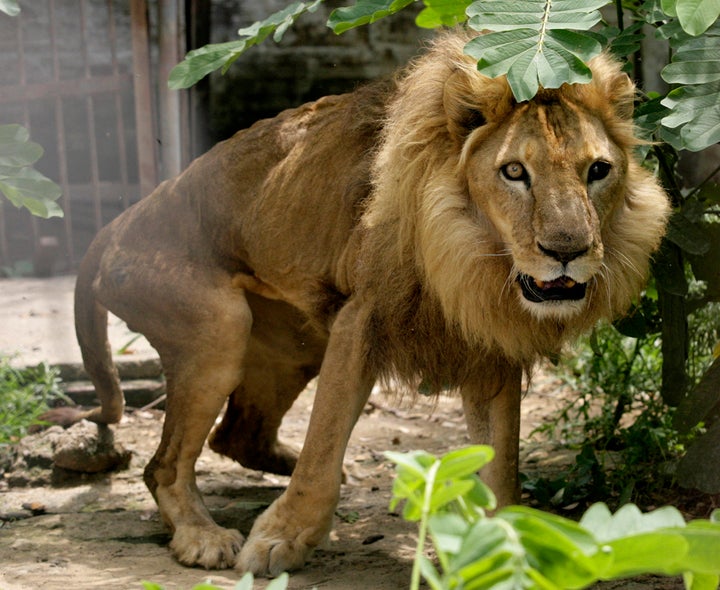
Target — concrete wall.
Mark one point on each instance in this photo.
(310, 62)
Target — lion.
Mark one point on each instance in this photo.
(428, 229)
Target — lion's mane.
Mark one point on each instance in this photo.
(444, 297)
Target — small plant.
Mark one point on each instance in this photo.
(21, 184)
(522, 548)
(245, 583)
(629, 442)
(24, 395)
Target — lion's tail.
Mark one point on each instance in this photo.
(92, 334)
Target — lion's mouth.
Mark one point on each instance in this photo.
(560, 289)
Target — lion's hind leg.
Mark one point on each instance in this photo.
(283, 355)
(248, 432)
(201, 335)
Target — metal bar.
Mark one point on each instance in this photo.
(170, 108)
(65, 88)
(26, 116)
(61, 148)
(90, 112)
(119, 119)
(147, 164)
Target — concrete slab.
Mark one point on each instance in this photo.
(36, 325)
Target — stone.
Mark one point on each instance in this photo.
(90, 448)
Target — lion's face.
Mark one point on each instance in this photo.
(527, 222)
(548, 178)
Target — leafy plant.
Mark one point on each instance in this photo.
(21, 184)
(535, 43)
(24, 395)
(523, 548)
(19, 181)
(9, 7)
(200, 62)
(245, 583)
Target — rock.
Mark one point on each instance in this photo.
(698, 468)
(90, 448)
(59, 456)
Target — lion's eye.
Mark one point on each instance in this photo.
(598, 171)
(515, 171)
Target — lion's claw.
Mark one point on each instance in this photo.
(281, 541)
(271, 558)
(211, 547)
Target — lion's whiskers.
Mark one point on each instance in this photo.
(625, 261)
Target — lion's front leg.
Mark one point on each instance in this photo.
(284, 536)
(492, 411)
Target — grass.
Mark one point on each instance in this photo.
(25, 393)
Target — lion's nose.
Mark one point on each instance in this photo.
(563, 256)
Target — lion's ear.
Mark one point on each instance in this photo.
(621, 92)
(472, 100)
(610, 87)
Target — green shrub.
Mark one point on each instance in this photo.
(522, 548)
(25, 393)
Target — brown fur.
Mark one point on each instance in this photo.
(364, 236)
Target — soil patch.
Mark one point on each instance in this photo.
(103, 531)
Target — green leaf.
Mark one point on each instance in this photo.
(198, 63)
(447, 531)
(279, 583)
(26, 187)
(363, 12)
(572, 533)
(626, 42)
(696, 16)
(646, 553)
(16, 149)
(669, 7)
(246, 582)
(9, 7)
(464, 462)
(703, 538)
(428, 571)
(628, 520)
(416, 462)
(150, 585)
(483, 538)
(695, 581)
(277, 23)
(445, 493)
(535, 43)
(201, 62)
(695, 63)
(566, 553)
(695, 106)
(688, 235)
(442, 13)
(539, 15)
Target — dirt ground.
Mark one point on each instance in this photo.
(104, 531)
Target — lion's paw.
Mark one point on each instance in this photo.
(279, 542)
(211, 547)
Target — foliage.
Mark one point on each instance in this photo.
(536, 43)
(19, 181)
(24, 395)
(522, 548)
(21, 184)
(617, 419)
(245, 583)
(200, 62)
(9, 7)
